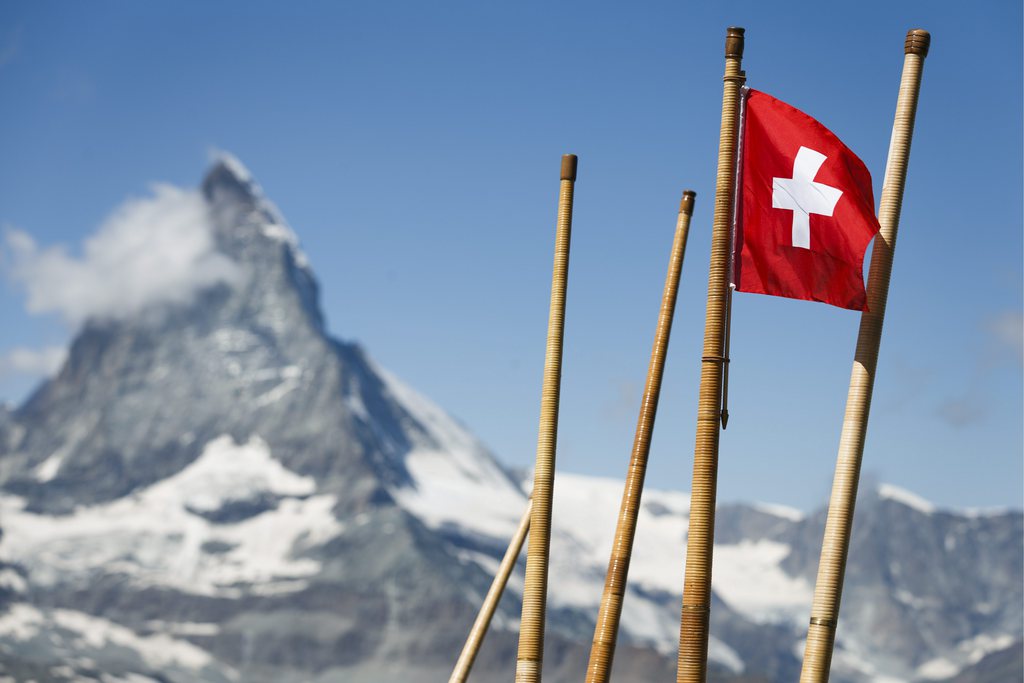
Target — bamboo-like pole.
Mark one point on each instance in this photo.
(491, 600)
(606, 630)
(535, 588)
(835, 545)
(693, 627)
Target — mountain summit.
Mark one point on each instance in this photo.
(215, 489)
(227, 458)
(140, 397)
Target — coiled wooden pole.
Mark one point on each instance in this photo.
(693, 628)
(535, 588)
(832, 566)
(493, 597)
(606, 631)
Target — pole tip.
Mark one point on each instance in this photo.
(734, 42)
(569, 167)
(917, 43)
(686, 203)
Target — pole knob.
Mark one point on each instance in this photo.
(686, 203)
(918, 41)
(569, 167)
(734, 42)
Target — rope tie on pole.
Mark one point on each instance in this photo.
(697, 608)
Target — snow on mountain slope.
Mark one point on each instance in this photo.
(911, 500)
(456, 489)
(452, 473)
(86, 641)
(970, 651)
(221, 481)
(749, 577)
(259, 516)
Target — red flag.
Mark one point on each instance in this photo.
(807, 212)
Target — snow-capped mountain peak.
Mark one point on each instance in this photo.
(229, 175)
(215, 489)
(905, 497)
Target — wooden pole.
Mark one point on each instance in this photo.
(693, 628)
(535, 587)
(606, 631)
(494, 593)
(832, 566)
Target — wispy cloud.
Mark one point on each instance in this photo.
(157, 249)
(961, 412)
(1007, 330)
(1002, 342)
(27, 362)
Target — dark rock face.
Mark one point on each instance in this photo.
(217, 490)
(140, 398)
(919, 583)
(1002, 666)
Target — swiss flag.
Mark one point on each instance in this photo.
(806, 213)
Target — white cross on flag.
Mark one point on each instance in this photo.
(806, 210)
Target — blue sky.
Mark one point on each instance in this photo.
(414, 148)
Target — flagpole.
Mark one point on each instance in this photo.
(696, 611)
(531, 626)
(607, 628)
(490, 604)
(832, 566)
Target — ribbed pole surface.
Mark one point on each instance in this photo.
(832, 566)
(693, 629)
(606, 631)
(483, 618)
(535, 588)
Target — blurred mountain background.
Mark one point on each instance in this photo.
(213, 488)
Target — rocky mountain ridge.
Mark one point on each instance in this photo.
(218, 490)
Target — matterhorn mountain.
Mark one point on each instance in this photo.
(218, 490)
